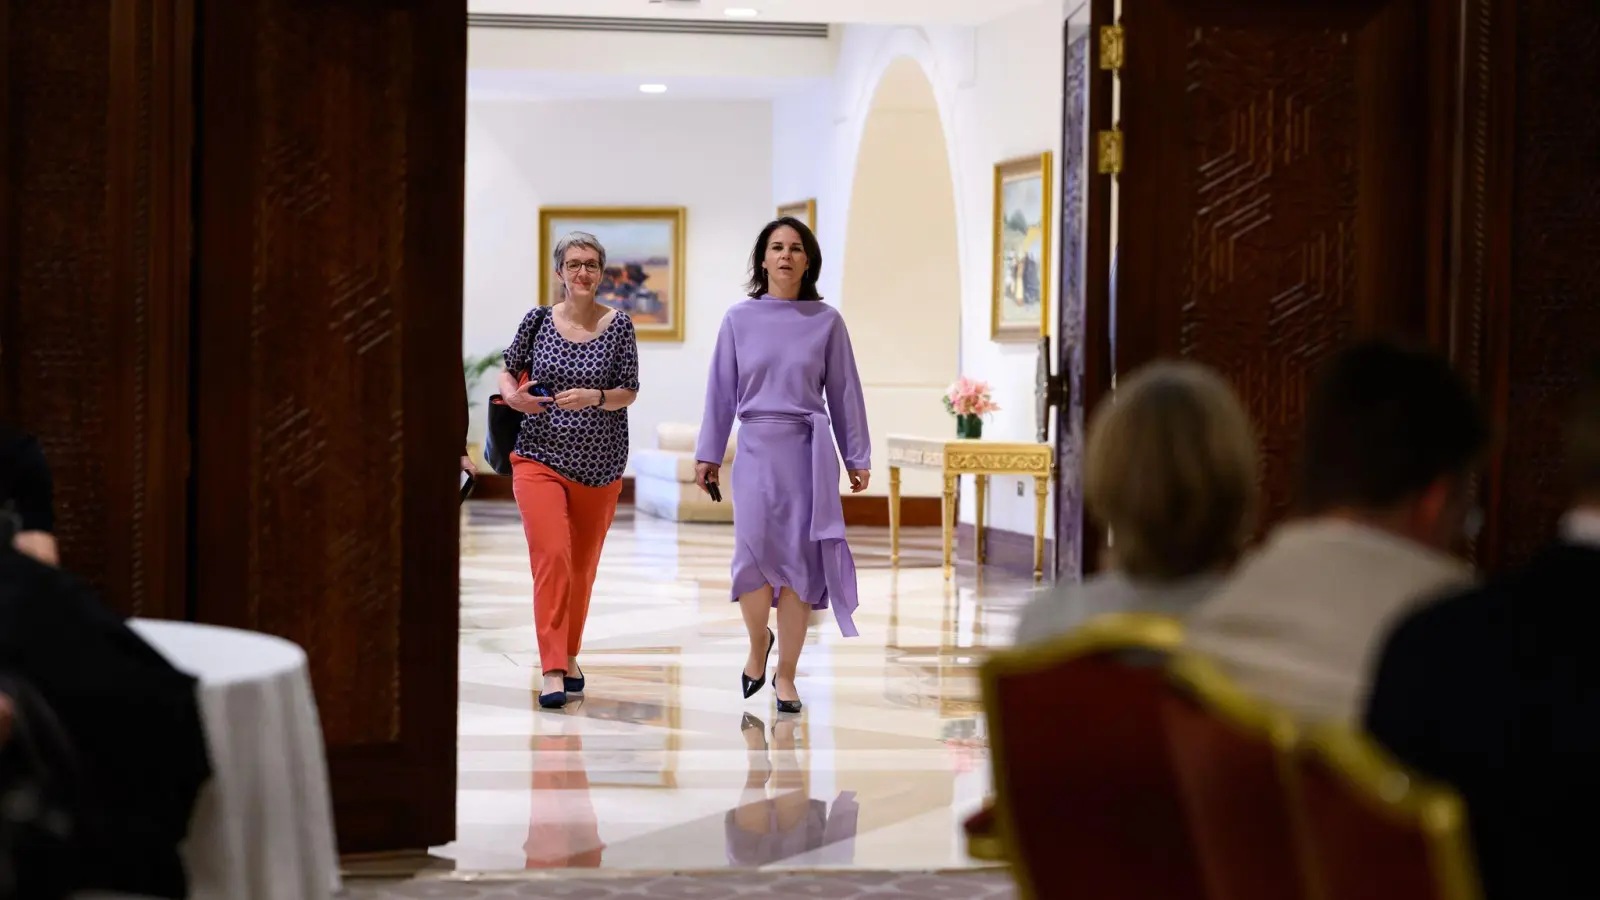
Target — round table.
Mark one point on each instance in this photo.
(263, 826)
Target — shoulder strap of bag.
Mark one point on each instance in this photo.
(541, 315)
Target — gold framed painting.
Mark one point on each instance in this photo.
(804, 210)
(644, 274)
(1020, 301)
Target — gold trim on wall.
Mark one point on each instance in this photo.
(677, 215)
(804, 210)
(1004, 171)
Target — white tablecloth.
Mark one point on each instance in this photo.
(263, 827)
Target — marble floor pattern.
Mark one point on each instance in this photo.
(664, 768)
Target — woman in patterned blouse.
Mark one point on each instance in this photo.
(568, 461)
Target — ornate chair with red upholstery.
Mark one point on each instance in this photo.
(1233, 757)
(1086, 801)
(1375, 831)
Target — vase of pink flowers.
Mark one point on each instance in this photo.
(969, 401)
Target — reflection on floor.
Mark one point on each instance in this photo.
(731, 885)
(664, 767)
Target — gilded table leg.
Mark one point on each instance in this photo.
(1041, 493)
(949, 519)
(982, 484)
(894, 514)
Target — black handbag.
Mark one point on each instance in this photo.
(505, 423)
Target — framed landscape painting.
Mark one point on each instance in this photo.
(1020, 308)
(644, 274)
(804, 210)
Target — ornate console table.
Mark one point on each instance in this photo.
(979, 459)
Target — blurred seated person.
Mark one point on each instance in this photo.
(27, 513)
(97, 730)
(74, 674)
(1392, 437)
(1497, 692)
(1171, 473)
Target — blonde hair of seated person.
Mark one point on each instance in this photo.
(1172, 472)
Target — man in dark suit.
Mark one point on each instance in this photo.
(1497, 692)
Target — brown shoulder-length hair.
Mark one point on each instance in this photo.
(808, 278)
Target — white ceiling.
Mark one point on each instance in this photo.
(920, 12)
(526, 85)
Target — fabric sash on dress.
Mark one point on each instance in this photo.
(827, 519)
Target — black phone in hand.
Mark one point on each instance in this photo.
(540, 390)
(714, 491)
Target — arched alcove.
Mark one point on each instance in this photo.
(901, 275)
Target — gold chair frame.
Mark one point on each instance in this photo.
(1110, 633)
(1435, 809)
(1200, 679)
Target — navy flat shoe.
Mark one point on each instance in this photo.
(574, 685)
(553, 701)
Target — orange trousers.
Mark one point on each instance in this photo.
(565, 523)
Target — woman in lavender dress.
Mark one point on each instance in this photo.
(780, 355)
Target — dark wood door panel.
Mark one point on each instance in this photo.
(328, 329)
(1284, 189)
(94, 193)
(1537, 65)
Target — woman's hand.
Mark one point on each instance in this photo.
(525, 402)
(859, 479)
(467, 466)
(707, 473)
(578, 398)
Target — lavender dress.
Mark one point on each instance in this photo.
(775, 362)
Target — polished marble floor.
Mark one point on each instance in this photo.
(663, 766)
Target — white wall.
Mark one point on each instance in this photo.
(900, 266)
(998, 88)
(713, 157)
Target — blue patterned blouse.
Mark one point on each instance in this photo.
(589, 446)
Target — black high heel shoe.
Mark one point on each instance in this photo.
(752, 685)
(785, 706)
(749, 724)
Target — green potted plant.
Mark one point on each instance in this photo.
(474, 368)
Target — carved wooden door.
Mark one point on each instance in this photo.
(328, 376)
(94, 287)
(1285, 187)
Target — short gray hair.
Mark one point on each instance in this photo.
(578, 239)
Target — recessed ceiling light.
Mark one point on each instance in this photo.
(740, 12)
(653, 88)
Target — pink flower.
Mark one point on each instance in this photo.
(967, 397)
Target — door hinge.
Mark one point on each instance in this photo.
(1108, 156)
(1111, 47)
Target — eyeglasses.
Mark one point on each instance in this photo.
(574, 265)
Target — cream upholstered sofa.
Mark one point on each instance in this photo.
(663, 478)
